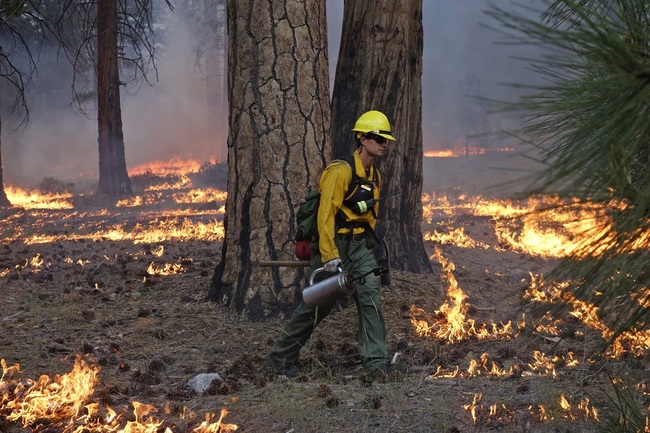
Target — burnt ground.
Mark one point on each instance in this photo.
(151, 334)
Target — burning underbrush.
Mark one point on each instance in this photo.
(63, 403)
(113, 293)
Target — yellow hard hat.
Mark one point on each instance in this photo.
(373, 122)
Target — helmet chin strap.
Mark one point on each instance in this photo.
(366, 158)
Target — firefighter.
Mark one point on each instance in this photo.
(346, 241)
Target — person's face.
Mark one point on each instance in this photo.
(375, 145)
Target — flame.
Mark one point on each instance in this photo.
(518, 228)
(450, 322)
(565, 410)
(178, 224)
(167, 269)
(63, 401)
(175, 166)
(637, 342)
(164, 228)
(543, 226)
(471, 408)
(455, 237)
(485, 367)
(36, 262)
(58, 398)
(543, 366)
(204, 195)
(153, 195)
(495, 413)
(440, 373)
(79, 262)
(455, 307)
(562, 410)
(37, 200)
(465, 151)
(218, 427)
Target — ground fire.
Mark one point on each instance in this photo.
(64, 402)
(451, 324)
(164, 229)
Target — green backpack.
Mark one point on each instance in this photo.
(307, 218)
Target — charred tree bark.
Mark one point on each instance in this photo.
(380, 68)
(278, 142)
(113, 176)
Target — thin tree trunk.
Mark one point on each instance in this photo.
(216, 58)
(4, 201)
(113, 176)
(278, 142)
(380, 68)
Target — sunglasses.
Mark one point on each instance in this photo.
(378, 138)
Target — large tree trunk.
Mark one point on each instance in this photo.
(278, 143)
(380, 68)
(113, 177)
(4, 201)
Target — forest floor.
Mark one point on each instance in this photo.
(74, 293)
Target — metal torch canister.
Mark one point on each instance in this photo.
(327, 291)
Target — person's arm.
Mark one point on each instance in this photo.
(333, 185)
(376, 195)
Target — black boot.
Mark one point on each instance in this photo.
(280, 368)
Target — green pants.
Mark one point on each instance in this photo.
(358, 260)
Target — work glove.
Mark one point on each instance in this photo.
(332, 265)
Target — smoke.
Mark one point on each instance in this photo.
(168, 119)
(175, 117)
(462, 60)
(56, 139)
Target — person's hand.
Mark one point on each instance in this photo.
(332, 265)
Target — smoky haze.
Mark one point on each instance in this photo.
(173, 119)
(165, 120)
(462, 60)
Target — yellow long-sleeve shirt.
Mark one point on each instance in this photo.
(333, 187)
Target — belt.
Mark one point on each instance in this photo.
(350, 236)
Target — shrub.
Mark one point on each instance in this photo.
(140, 182)
(50, 185)
(211, 175)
